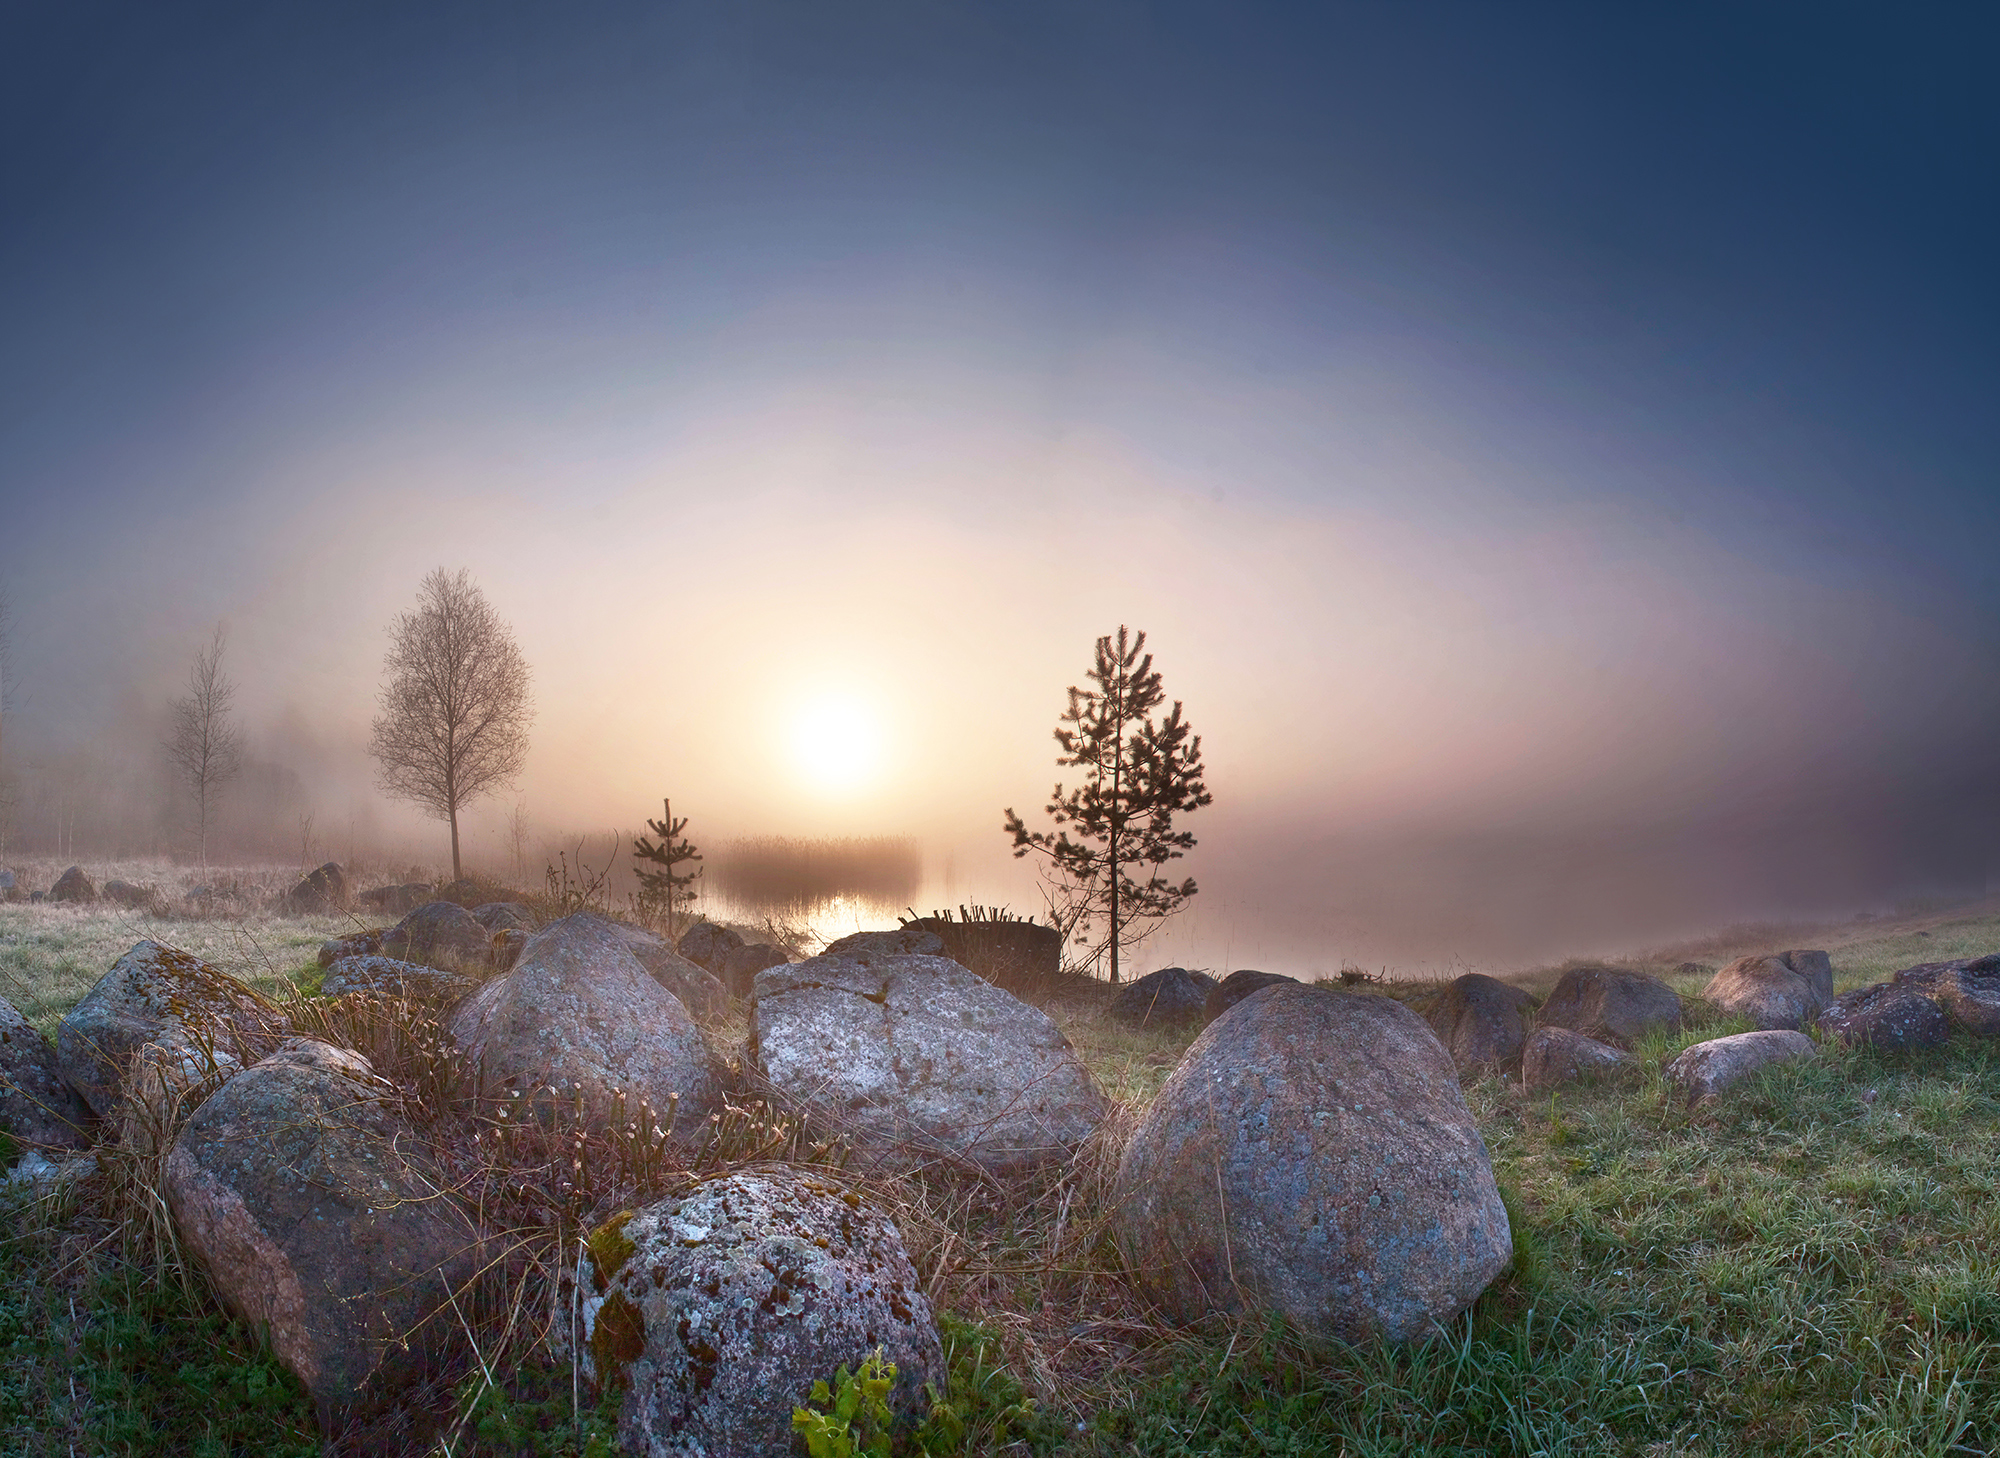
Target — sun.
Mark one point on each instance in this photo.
(837, 744)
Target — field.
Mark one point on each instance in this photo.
(1814, 1265)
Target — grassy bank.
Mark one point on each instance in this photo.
(1812, 1265)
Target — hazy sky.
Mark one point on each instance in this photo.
(1552, 448)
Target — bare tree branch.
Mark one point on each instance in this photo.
(456, 708)
(203, 745)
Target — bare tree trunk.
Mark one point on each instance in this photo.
(456, 873)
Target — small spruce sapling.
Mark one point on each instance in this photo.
(666, 893)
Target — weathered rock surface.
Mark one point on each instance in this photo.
(298, 1187)
(399, 899)
(499, 916)
(579, 1011)
(741, 966)
(1166, 998)
(440, 934)
(73, 885)
(1967, 990)
(913, 1058)
(870, 947)
(1553, 1057)
(1610, 1005)
(699, 990)
(1478, 1019)
(718, 1311)
(1704, 1070)
(1891, 1016)
(37, 1108)
(387, 977)
(507, 948)
(322, 890)
(707, 945)
(361, 944)
(158, 995)
(1244, 982)
(125, 893)
(1313, 1156)
(1786, 990)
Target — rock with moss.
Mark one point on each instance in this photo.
(580, 1013)
(1554, 1058)
(1968, 991)
(302, 1192)
(1312, 1157)
(1782, 990)
(1891, 1017)
(387, 977)
(1611, 1005)
(1170, 997)
(1479, 1020)
(870, 947)
(37, 1108)
(914, 1059)
(1703, 1071)
(1244, 982)
(715, 1312)
(440, 934)
(160, 996)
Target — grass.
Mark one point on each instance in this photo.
(1811, 1264)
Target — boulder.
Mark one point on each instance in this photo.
(499, 916)
(320, 891)
(158, 995)
(579, 1012)
(1237, 986)
(1017, 955)
(73, 885)
(1478, 1019)
(507, 948)
(1784, 990)
(400, 899)
(361, 944)
(299, 1188)
(1610, 1006)
(913, 1058)
(1890, 1016)
(1704, 1070)
(1553, 1057)
(1313, 1157)
(387, 977)
(741, 966)
(1163, 999)
(1968, 991)
(6, 879)
(706, 945)
(718, 1310)
(700, 991)
(439, 934)
(125, 893)
(870, 947)
(37, 1108)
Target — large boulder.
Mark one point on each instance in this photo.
(1555, 1057)
(73, 885)
(499, 916)
(398, 900)
(717, 1311)
(299, 1188)
(700, 991)
(1704, 1070)
(580, 1013)
(318, 891)
(1170, 997)
(440, 934)
(741, 966)
(37, 1108)
(707, 945)
(1313, 1156)
(1478, 1019)
(1610, 1005)
(1019, 955)
(870, 947)
(1968, 991)
(1784, 990)
(387, 977)
(1890, 1016)
(127, 893)
(913, 1058)
(1242, 983)
(160, 996)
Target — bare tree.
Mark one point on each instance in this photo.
(8, 688)
(456, 709)
(203, 745)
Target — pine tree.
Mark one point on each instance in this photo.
(1116, 827)
(664, 892)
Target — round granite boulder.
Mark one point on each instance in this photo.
(1892, 1017)
(1478, 1019)
(1784, 990)
(1163, 999)
(1242, 983)
(1610, 1005)
(1968, 991)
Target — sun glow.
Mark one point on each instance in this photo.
(837, 744)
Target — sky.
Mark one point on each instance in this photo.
(1551, 448)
